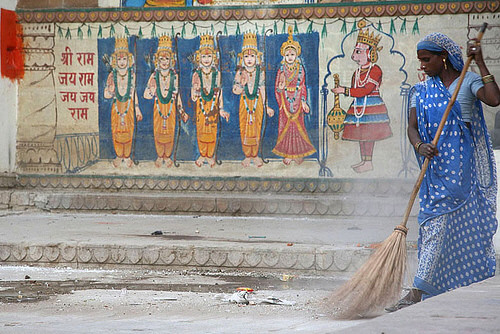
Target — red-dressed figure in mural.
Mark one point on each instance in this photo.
(249, 83)
(293, 143)
(120, 86)
(367, 120)
(163, 86)
(206, 93)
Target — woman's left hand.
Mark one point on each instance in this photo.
(474, 50)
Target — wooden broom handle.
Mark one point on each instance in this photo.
(425, 165)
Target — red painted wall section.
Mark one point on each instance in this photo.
(12, 57)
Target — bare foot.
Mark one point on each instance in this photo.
(365, 167)
(299, 161)
(129, 162)
(257, 161)
(246, 162)
(287, 161)
(168, 162)
(117, 162)
(199, 162)
(211, 162)
(158, 162)
(358, 164)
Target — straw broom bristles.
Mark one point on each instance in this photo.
(376, 284)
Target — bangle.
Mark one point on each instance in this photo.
(347, 91)
(417, 145)
(488, 78)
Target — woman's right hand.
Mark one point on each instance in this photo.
(428, 150)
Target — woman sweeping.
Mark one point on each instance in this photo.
(457, 214)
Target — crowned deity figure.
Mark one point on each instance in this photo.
(206, 93)
(120, 86)
(249, 83)
(163, 87)
(367, 120)
(293, 143)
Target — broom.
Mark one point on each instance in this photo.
(378, 282)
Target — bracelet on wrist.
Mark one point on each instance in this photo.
(417, 145)
(488, 78)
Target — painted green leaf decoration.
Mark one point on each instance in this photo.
(194, 31)
(275, 28)
(309, 28)
(393, 28)
(99, 33)
(153, 31)
(68, 34)
(238, 32)
(140, 33)
(324, 32)
(415, 29)
(59, 32)
(403, 27)
(225, 28)
(112, 31)
(89, 32)
(295, 28)
(354, 26)
(127, 33)
(79, 33)
(379, 28)
(344, 27)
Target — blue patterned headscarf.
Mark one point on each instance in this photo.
(438, 42)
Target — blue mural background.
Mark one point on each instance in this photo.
(229, 147)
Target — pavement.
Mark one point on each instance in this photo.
(109, 241)
(333, 247)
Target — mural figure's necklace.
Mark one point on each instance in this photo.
(360, 83)
(252, 97)
(290, 78)
(209, 96)
(123, 98)
(167, 99)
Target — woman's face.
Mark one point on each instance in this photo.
(164, 61)
(290, 55)
(430, 63)
(122, 60)
(249, 58)
(206, 58)
(360, 54)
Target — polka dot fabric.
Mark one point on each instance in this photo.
(457, 214)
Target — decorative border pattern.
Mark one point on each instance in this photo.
(391, 187)
(323, 259)
(259, 13)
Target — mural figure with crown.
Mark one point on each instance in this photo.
(293, 143)
(249, 83)
(163, 87)
(367, 120)
(120, 86)
(206, 93)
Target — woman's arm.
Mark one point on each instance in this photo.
(426, 149)
(489, 93)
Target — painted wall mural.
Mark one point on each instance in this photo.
(125, 93)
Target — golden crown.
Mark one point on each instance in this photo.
(290, 43)
(165, 44)
(249, 42)
(207, 42)
(365, 37)
(121, 45)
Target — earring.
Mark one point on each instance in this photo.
(444, 62)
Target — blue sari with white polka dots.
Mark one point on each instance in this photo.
(457, 214)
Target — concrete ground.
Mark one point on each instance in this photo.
(112, 299)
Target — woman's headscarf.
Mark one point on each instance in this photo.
(438, 42)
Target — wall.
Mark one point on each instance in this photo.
(8, 91)
(74, 134)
